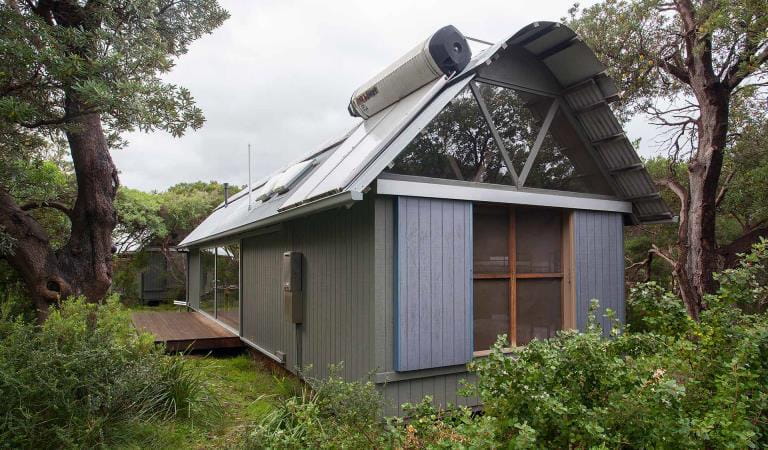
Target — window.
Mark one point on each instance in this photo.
(535, 144)
(518, 274)
(220, 283)
(208, 280)
(457, 145)
(228, 285)
(518, 118)
(563, 162)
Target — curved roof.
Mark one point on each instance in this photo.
(346, 166)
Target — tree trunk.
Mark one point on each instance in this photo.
(87, 257)
(83, 266)
(698, 259)
(32, 256)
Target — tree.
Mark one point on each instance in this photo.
(686, 64)
(75, 75)
(163, 219)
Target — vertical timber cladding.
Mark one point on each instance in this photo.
(599, 264)
(442, 388)
(264, 323)
(434, 283)
(193, 278)
(338, 279)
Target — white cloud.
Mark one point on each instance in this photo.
(278, 75)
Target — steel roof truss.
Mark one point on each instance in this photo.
(495, 133)
(539, 140)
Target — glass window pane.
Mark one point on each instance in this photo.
(538, 309)
(208, 280)
(490, 230)
(538, 236)
(517, 117)
(490, 309)
(456, 145)
(564, 164)
(227, 289)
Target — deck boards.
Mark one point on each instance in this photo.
(183, 330)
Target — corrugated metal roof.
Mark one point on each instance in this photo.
(352, 162)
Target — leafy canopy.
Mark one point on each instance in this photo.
(163, 218)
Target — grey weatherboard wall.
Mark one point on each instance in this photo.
(338, 249)
(337, 279)
(599, 264)
(264, 323)
(434, 283)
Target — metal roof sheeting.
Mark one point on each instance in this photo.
(354, 161)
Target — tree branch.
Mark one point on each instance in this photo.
(674, 186)
(742, 244)
(656, 250)
(724, 188)
(50, 204)
(735, 75)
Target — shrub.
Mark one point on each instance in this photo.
(651, 308)
(426, 426)
(705, 388)
(73, 380)
(329, 413)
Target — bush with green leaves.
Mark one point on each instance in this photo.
(334, 413)
(83, 375)
(671, 383)
(652, 308)
(328, 413)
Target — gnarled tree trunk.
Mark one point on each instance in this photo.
(83, 266)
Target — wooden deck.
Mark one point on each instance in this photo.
(181, 331)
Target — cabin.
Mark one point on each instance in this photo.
(488, 202)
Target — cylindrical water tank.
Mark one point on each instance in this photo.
(444, 53)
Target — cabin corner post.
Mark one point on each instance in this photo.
(569, 275)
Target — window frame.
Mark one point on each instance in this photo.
(215, 315)
(566, 275)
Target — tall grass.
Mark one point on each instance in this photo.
(86, 373)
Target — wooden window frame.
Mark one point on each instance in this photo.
(567, 296)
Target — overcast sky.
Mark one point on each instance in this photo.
(279, 74)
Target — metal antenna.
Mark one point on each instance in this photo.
(250, 188)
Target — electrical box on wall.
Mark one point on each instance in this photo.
(292, 289)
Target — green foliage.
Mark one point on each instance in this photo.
(102, 60)
(84, 374)
(640, 44)
(329, 413)
(651, 308)
(745, 286)
(426, 426)
(159, 219)
(39, 181)
(138, 218)
(94, 69)
(668, 382)
(163, 218)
